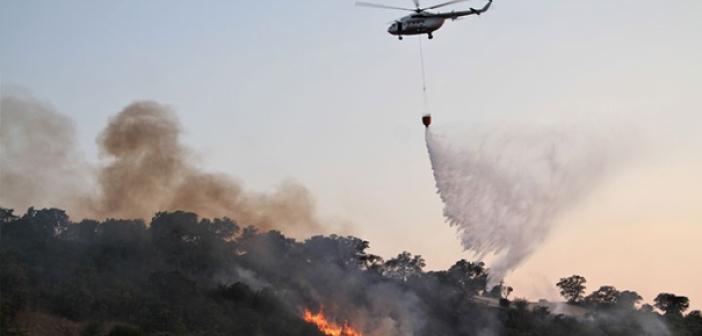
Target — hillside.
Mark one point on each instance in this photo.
(183, 275)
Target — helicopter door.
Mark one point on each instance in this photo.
(399, 28)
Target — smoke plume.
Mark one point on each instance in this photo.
(147, 169)
(504, 189)
(39, 164)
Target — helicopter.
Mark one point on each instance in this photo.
(422, 21)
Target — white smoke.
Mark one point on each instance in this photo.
(503, 189)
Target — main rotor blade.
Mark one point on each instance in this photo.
(368, 4)
(446, 4)
(416, 4)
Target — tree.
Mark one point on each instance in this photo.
(37, 225)
(372, 262)
(85, 231)
(605, 296)
(194, 245)
(468, 276)
(693, 322)
(608, 296)
(646, 308)
(6, 215)
(500, 291)
(404, 266)
(122, 232)
(223, 228)
(628, 299)
(346, 252)
(572, 288)
(672, 304)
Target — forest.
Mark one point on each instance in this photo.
(180, 274)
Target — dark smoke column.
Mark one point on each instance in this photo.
(426, 120)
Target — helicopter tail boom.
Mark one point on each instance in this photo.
(472, 11)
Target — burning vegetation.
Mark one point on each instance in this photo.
(327, 327)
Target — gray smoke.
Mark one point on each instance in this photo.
(503, 189)
(39, 164)
(152, 170)
(147, 169)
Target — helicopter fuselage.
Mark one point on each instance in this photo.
(416, 24)
(425, 22)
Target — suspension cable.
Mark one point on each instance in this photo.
(425, 96)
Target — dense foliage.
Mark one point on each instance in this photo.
(182, 275)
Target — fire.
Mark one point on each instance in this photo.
(327, 327)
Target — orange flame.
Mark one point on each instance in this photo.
(327, 327)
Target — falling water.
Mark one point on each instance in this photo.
(503, 189)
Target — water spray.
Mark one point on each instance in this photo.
(503, 189)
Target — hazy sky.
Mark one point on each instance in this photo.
(317, 91)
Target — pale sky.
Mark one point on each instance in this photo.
(318, 92)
